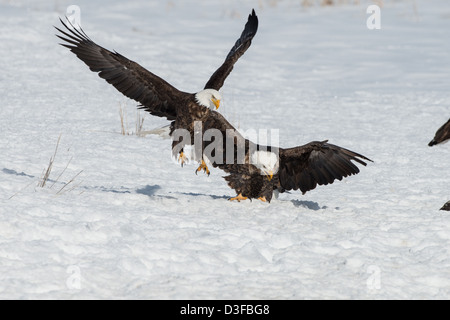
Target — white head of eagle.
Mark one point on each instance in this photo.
(266, 161)
(209, 98)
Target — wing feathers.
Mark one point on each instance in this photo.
(316, 163)
(155, 95)
(242, 44)
(442, 134)
(246, 36)
(446, 206)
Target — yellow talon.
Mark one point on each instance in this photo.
(203, 167)
(182, 158)
(239, 197)
(263, 199)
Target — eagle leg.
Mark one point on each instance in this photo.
(263, 199)
(182, 158)
(239, 197)
(203, 167)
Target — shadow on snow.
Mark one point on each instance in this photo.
(307, 204)
(14, 172)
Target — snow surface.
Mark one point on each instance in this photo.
(135, 225)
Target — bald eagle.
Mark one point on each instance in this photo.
(155, 95)
(442, 135)
(262, 170)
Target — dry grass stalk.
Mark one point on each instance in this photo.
(139, 124)
(46, 173)
(57, 179)
(69, 182)
(123, 121)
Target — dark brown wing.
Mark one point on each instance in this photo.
(316, 163)
(156, 95)
(446, 206)
(229, 151)
(242, 44)
(441, 135)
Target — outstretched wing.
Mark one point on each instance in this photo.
(242, 44)
(316, 163)
(156, 95)
(443, 134)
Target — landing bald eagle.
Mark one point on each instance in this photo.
(155, 95)
(442, 135)
(265, 169)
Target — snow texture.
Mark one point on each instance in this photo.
(120, 219)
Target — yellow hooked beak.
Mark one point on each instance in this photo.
(216, 102)
(269, 174)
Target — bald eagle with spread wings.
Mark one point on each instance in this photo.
(257, 171)
(156, 95)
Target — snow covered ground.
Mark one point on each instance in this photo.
(135, 225)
